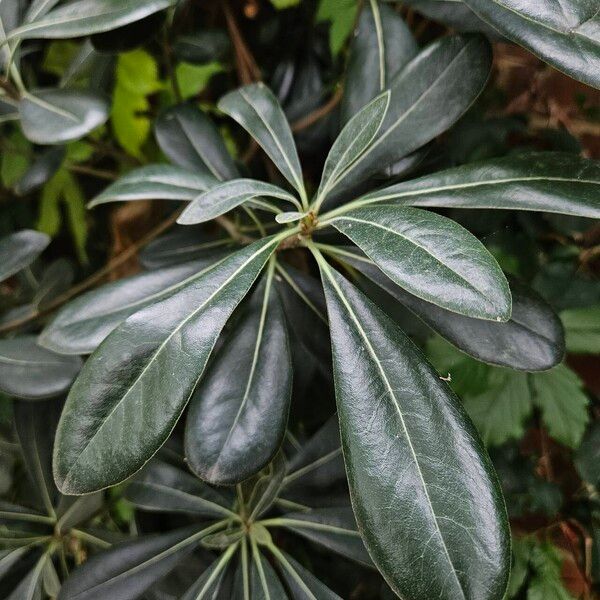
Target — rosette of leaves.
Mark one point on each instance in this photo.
(44, 534)
(425, 496)
(231, 531)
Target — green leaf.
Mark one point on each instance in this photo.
(587, 457)
(54, 116)
(128, 569)
(226, 196)
(41, 170)
(546, 583)
(164, 182)
(560, 397)
(554, 182)
(283, 4)
(432, 257)
(136, 78)
(352, 142)
(411, 450)
(381, 47)
(341, 14)
(192, 79)
(202, 47)
(161, 487)
(582, 329)
(30, 587)
(80, 326)
(258, 111)
(264, 582)
(130, 387)
(64, 189)
(235, 425)
(208, 585)
(565, 35)
(18, 250)
(31, 372)
(14, 164)
(531, 340)
(426, 98)
(84, 17)
(190, 139)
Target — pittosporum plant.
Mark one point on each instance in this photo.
(228, 324)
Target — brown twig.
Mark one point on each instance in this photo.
(10, 89)
(95, 278)
(312, 117)
(245, 65)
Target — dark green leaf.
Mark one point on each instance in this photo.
(381, 47)
(265, 487)
(587, 458)
(236, 424)
(432, 257)
(189, 138)
(264, 582)
(165, 488)
(75, 510)
(582, 329)
(531, 340)
(258, 111)
(137, 383)
(161, 182)
(208, 585)
(54, 116)
(41, 170)
(18, 250)
(80, 326)
(565, 34)
(130, 36)
(411, 450)
(202, 47)
(226, 196)
(30, 587)
(127, 570)
(540, 181)
(32, 372)
(84, 17)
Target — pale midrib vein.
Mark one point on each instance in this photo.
(201, 155)
(222, 563)
(290, 569)
(380, 43)
(40, 476)
(301, 524)
(312, 466)
(293, 172)
(29, 363)
(290, 281)
(51, 108)
(427, 251)
(259, 567)
(161, 347)
(381, 370)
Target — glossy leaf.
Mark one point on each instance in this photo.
(258, 111)
(30, 588)
(208, 585)
(127, 570)
(411, 450)
(426, 98)
(54, 116)
(531, 340)
(18, 250)
(32, 372)
(84, 17)
(565, 34)
(137, 383)
(190, 139)
(381, 47)
(352, 142)
(553, 182)
(80, 326)
(161, 182)
(432, 257)
(264, 582)
(226, 196)
(165, 488)
(202, 47)
(41, 170)
(236, 424)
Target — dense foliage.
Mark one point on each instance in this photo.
(217, 386)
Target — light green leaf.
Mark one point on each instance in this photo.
(342, 15)
(546, 583)
(582, 329)
(192, 79)
(14, 163)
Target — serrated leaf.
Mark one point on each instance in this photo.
(381, 47)
(402, 429)
(164, 182)
(32, 372)
(258, 111)
(84, 17)
(55, 116)
(235, 425)
(139, 394)
(554, 182)
(432, 257)
(18, 250)
(190, 139)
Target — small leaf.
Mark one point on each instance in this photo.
(18, 250)
(31, 372)
(258, 111)
(289, 217)
(432, 257)
(41, 170)
(84, 17)
(189, 139)
(193, 79)
(235, 425)
(226, 196)
(131, 387)
(55, 116)
(161, 182)
(341, 14)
